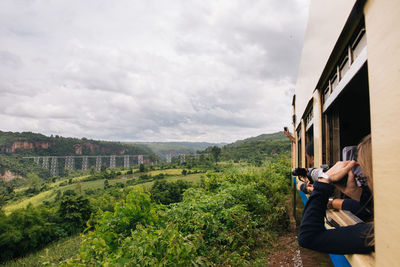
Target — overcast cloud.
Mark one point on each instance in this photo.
(154, 70)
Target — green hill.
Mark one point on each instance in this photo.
(35, 144)
(257, 148)
(14, 146)
(164, 148)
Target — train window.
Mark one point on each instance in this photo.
(359, 43)
(299, 152)
(344, 66)
(327, 93)
(347, 120)
(309, 139)
(331, 149)
(334, 80)
(309, 119)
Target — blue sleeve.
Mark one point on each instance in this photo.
(351, 205)
(343, 240)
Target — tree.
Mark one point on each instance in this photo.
(168, 192)
(106, 184)
(216, 152)
(141, 168)
(33, 182)
(103, 168)
(74, 212)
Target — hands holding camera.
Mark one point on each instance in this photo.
(338, 172)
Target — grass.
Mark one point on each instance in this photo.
(52, 255)
(35, 200)
(62, 250)
(189, 178)
(96, 184)
(168, 171)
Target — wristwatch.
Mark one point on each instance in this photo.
(323, 175)
(330, 202)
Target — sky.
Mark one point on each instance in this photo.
(154, 70)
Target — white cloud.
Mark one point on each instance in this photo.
(149, 70)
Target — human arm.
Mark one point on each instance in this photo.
(338, 172)
(313, 235)
(337, 203)
(288, 135)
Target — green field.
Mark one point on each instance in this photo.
(57, 252)
(52, 255)
(168, 171)
(51, 194)
(189, 178)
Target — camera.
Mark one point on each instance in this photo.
(311, 173)
(348, 153)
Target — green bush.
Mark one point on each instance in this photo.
(218, 223)
(168, 192)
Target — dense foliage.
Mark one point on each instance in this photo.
(21, 166)
(67, 146)
(164, 148)
(256, 149)
(168, 192)
(29, 229)
(218, 223)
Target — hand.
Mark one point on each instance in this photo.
(340, 169)
(310, 187)
(351, 189)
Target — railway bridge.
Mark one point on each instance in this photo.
(53, 163)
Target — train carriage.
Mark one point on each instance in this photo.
(347, 88)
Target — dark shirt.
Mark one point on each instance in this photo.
(343, 240)
(362, 209)
(303, 187)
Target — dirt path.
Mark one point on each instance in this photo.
(288, 253)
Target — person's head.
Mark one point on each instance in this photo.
(310, 153)
(365, 159)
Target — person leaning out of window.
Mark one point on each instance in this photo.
(357, 238)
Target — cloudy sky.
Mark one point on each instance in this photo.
(154, 70)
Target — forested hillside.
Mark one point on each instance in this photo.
(255, 149)
(14, 146)
(164, 148)
(28, 143)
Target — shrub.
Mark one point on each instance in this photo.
(168, 192)
(74, 211)
(218, 223)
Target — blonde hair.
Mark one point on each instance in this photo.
(365, 160)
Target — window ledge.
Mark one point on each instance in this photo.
(346, 218)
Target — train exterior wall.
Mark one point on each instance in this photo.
(382, 19)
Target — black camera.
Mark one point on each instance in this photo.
(348, 153)
(311, 173)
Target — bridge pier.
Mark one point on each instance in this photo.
(45, 164)
(70, 163)
(112, 162)
(126, 162)
(169, 158)
(182, 158)
(85, 164)
(140, 159)
(98, 162)
(53, 167)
